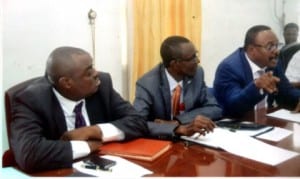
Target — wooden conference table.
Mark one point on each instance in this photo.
(197, 160)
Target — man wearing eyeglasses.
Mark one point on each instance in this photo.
(250, 75)
(173, 95)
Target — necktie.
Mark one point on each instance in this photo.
(176, 101)
(79, 119)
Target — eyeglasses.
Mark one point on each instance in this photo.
(269, 47)
(194, 57)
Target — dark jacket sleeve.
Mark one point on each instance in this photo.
(120, 112)
(287, 95)
(35, 136)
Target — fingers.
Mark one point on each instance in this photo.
(297, 108)
(203, 124)
(267, 82)
(94, 145)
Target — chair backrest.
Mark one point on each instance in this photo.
(286, 53)
(8, 158)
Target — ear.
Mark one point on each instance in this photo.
(65, 82)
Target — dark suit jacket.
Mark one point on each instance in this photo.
(39, 122)
(235, 89)
(153, 100)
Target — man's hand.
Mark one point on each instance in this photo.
(200, 124)
(84, 133)
(94, 145)
(267, 82)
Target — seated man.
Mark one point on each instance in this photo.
(293, 70)
(193, 109)
(290, 33)
(248, 75)
(47, 134)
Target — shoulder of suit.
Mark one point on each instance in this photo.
(151, 76)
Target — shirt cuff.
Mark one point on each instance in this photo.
(80, 149)
(111, 133)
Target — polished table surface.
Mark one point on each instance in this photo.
(197, 160)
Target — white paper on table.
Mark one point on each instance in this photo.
(275, 135)
(245, 146)
(254, 149)
(252, 132)
(284, 114)
(123, 168)
(210, 139)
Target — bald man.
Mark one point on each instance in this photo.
(44, 130)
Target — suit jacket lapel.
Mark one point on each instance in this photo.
(165, 92)
(96, 109)
(188, 93)
(58, 116)
(248, 72)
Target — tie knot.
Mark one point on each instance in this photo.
(177, 88)
(77, 108)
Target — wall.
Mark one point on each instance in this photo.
(33, 28)
(225, 23)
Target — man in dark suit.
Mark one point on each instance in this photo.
(154, 91)
(248, 75)
(43, 131)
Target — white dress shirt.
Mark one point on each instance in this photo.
(257, 72)
(293, 69)
(81, 148)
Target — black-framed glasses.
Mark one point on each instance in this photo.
(269, 47)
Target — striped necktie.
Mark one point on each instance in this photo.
(176, 101)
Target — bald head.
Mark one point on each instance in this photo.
(61, 62)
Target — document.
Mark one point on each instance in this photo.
(244, 146)
(275, 135)
(261, 131)
(284, 114)
(123, 168)
(270, 133)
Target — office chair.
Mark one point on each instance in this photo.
(8, 157)
(286, 54)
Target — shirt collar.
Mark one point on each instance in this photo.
(172, 82)
(253, 66)
(67, 104)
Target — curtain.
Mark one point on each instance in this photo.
(154, 20)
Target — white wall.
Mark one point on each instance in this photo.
(225, 23)
(33, 28)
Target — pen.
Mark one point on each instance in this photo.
(268, 130)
